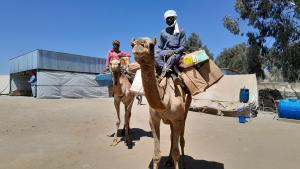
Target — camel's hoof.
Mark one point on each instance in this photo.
(169, 162)
(129, 144)
(114, 143)
(127, 141)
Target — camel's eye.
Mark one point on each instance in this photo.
(132, 45)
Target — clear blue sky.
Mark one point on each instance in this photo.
(88, 26)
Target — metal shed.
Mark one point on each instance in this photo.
(58, 74)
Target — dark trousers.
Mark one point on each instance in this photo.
(139, 98)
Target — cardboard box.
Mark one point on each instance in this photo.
(193, 58)
(210, 72)
(193, 80)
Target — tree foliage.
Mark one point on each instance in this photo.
(276, 21)
(241, 58)
(234, 58)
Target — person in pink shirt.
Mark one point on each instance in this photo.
(115, 53)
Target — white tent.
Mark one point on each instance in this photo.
(4, 84)
(223, 96)
(58, 84)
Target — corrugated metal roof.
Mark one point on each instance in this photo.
(51, 60)
(25, 62)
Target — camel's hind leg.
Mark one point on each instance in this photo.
(128, 107)
(118, 121)
(182, 140)
(182, 144)
(155, 128)
(169, 162)
(177, 130)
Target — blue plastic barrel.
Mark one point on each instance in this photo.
(244, 95)
(289, 108)
(242, 118)
(104, 79)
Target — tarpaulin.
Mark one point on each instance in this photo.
(224, 94)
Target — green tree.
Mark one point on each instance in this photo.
(276, 21)
(234, 58)
(194, 43)
(241, 58)
(254, 61)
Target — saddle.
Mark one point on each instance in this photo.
(129, 70)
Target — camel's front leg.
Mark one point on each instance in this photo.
(155, 127)
(118, 121)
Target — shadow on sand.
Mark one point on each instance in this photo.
(135, 134)
(190, 163)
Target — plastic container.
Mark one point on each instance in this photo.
(242, 118)
(188, 60)
(289, 108)
(104, 79)
(200, 57)
(244, 95)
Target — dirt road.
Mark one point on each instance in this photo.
(74, 134)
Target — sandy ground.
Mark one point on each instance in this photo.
(74, 134)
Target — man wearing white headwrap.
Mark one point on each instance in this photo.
(171, 45)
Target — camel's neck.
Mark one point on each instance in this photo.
(116, 75)
(116, 83)
(151, 88)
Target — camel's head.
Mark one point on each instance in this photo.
(115, 65)
(143, 50)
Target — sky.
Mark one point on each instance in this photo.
(88, 27)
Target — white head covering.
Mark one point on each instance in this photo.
(170, 13)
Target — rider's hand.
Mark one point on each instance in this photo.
(106, 69)
(170, 53)
(120, 55)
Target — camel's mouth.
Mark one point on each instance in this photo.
(115, 65)
(142, 48)
(138, 52)
(138, 58)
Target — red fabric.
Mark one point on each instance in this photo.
(114, 55)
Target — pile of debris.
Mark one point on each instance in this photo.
(268, 99)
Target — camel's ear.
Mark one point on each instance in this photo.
(132, 40)
(153, 41)
(132, 44)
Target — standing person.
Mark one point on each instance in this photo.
(139, 98)
(115, 53)
(33, 82)
(171, 45)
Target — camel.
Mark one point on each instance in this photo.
(167, 102)
(121, 87)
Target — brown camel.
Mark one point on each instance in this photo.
(121, 87)
(168, 102)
